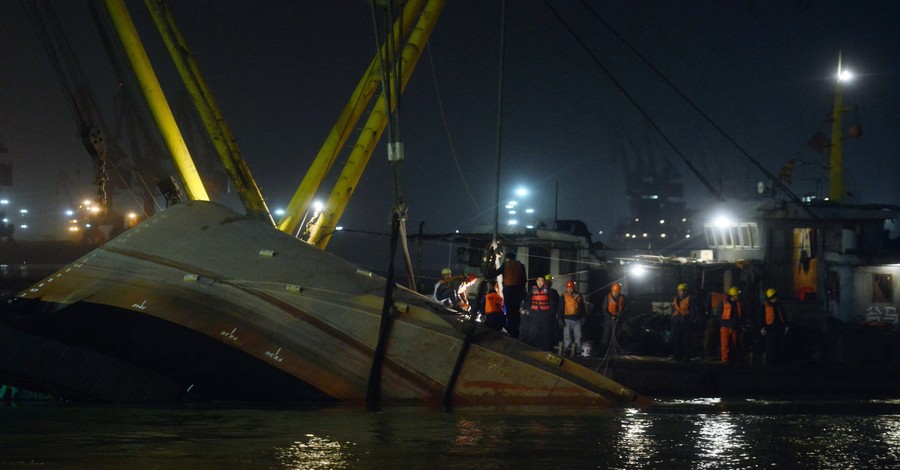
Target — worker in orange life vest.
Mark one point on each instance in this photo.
(494, 317)
(774, 329)
(682, 314)
(614, 305)
(571, 313)
(732, 315)
(514, 277)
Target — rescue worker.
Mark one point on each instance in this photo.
(494, 318)
(682, 314)
(514, 277)
(711, 332)
(614, 305)
(732, 315)
(554, 306)
(571, 314)
(774, 328)
(445, 290)
(542, 316)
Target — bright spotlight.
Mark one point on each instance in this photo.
(279, 211)
(521, 191)
(722, 222)
(637, 270)
(318, 205)
(845, 76)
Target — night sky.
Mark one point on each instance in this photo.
(282, 70)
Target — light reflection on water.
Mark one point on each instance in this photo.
(706, 433)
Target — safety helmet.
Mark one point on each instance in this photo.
(771, 293)
(548, 277)
(570, 283)
(682, 286)
(733, 291)
(446, 272)
(615, 288)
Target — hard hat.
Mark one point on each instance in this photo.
(682, 286)
(570, 283)
(733, 291)
(615, 288)
(771, 293)
(548, 277)
(445, 271)
(511, 254)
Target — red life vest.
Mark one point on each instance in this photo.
(540, 298)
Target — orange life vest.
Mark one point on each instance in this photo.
(771, 313)
(614, 305)
(493, 303)
(572, 305)
(513, 273)
(682, 306)
(727, 320)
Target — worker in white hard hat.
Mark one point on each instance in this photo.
(445, 290)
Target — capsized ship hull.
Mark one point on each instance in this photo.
(201, 303)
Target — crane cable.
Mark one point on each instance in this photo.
(709, 187)
(776, 181)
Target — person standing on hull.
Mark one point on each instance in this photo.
(774, 329)
(682, 315)
(494, 317)
(554, 306)
(542, 315)
(732, 315)
(514, 277)
(614, 304)
(571, 313)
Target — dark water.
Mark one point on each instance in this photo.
(671, 435)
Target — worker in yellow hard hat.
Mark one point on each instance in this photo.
(682, 314)
(732, 316)
(774, 328)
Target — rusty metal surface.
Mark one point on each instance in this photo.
(307, 313)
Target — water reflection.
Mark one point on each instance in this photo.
(673, 435)
(314, 452)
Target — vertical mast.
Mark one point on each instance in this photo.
(835, 165)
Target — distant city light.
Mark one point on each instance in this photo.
(70, 212)
(23, 211)
(511, 204)
(23, 226)
(511, 212)
(132, 215)
(529, 211)
(645, 235)
(4, 201)
(662, 221)
(513, 222)
(529, 226)
(684, 219)
(687, 236)
(86, 202)
(338, 228)
(601, 233)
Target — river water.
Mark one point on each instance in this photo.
(672, 434)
